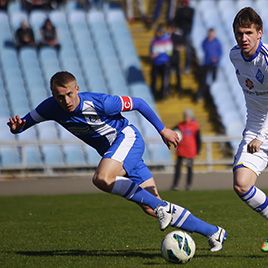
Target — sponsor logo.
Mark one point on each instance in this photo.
(249, 84)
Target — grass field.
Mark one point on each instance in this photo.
(100, 230)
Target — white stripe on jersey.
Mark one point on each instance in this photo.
(125, 146)
(93, 119)
(36, 116)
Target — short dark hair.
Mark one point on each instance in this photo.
(61, 79)
(246, 17)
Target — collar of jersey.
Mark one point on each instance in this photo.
(254, 55)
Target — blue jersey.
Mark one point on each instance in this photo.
(97, 119)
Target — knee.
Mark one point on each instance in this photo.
(103, 181)
(241, 188)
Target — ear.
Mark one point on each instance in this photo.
(259, 34)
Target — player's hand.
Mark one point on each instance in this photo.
(254, 146)
(170, 137)
(15, 123)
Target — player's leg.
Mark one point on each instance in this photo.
(180, 217)
(189, 178)
(177, 173)
(246, 169)
(122, 158)
(150, 186)
(245, 176)
(109, 177)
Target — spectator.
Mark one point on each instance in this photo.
(188, 148)
(24, 35)
(4, 5)
(177, 42)
(49, 35)
(184, 21)
(160, 52)
(212, 49)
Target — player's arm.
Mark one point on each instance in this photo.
(40, 113)
(126, 103)
(17, 124)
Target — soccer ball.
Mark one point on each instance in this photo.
(179, 133)
(178, 247)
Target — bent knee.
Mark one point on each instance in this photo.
(241, 188)
(103, 181)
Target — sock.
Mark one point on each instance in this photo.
(184, 219)
(257, 200)
(133, 192)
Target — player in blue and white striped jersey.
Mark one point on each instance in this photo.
(96, 119)
(250, 59)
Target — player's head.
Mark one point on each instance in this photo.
(248, 29)
(188, 115)
(65, 90)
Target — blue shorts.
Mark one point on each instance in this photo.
(128, 149)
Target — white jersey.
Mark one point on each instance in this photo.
(252, 75)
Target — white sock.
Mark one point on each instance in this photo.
(257, 200)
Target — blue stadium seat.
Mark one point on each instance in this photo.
(31, 156)
(10, 157)
(36, 19)
(48, 131)
(53, 155)
(16, 18)
(93, 158)
(74, 154)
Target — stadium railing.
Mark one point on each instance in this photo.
(31, 162)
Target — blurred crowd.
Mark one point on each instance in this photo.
(171, 51)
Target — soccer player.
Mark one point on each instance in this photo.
(96, 119)
(250, 59)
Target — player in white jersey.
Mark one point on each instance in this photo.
(96, 119)
(250, 59)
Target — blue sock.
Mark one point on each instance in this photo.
(184, 219)
(194, 224)
(132, 191)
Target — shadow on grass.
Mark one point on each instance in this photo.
(141, 253)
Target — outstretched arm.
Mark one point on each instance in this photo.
(125, 103)
(169, 136)
(16, 124)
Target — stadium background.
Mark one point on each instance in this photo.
(91, 42)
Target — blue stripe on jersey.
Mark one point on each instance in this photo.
(264, 53)
(235, 48)
(264, 48)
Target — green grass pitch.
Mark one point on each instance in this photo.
(101, 230)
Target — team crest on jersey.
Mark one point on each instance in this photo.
(249, 84)
(260, 76)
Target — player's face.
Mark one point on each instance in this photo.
(248, 39)
(67, 97)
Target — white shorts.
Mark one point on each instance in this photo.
(256, 161)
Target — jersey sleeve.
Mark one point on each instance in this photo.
(39, 114)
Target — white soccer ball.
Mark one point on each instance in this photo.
(178, 247)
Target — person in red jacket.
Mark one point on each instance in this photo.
(188, 148)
